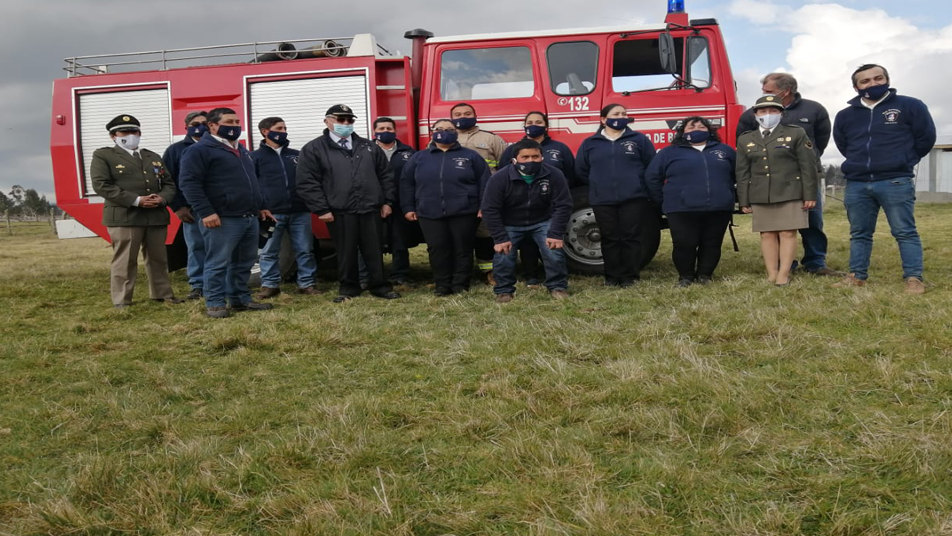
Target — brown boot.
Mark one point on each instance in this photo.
(268, 292)
(849, 281)
(490, 280)
(914, 285)
(310, 291)
(559, 294)
(503, 298)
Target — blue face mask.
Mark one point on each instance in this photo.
(529, 168)
(197, 131)
(386, 138)
(278, 137)
(343, 130)
(535, 131)
(697, 136)
(464, 123)
(874, 93)
(445, 137)
(229, 132)
(617, 123)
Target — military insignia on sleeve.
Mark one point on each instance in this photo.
(809, 144)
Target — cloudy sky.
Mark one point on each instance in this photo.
(820, 43)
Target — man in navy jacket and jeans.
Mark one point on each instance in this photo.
(276, 167)
(219, 182)
(883, 136)
(528, 200)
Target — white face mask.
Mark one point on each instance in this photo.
(769, 121)
(129, 141)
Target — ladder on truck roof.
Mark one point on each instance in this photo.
(256, 52)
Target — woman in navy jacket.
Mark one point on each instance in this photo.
(693, 181)
(442, 188)
(612, 162)
(555, 154)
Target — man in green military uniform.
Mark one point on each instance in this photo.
(137, 189)
(777, 182)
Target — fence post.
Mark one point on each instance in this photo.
(6, 215)
(52, 220)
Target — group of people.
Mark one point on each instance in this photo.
(473, 195)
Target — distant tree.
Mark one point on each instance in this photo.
(16, 196)
(34, 204)
(834, 176)
(5, 203)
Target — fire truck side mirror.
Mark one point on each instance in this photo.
(669, 61)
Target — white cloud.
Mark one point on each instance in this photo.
(831, 40)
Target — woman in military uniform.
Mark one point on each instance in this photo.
(777, 182)
(136, 189)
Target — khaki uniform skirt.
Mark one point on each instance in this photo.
(785, 216)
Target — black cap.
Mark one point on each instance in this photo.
(340, 109)
(123, 123)
(769, 101)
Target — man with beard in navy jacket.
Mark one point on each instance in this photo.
(276, 167)
(883, 136)
(218, 178)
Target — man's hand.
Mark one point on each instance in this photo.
(326, 218)
(553, 243)
(210, 222)
(385, 211)
(150, 201)
(746, 210)
(807, 205)
(503, 248)
(410, 216)
(266, 215)
(479, 214)
(185, 214)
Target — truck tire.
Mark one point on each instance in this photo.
(583, 247)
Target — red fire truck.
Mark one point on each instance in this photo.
(662, 73)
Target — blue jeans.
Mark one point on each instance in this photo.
(196, 254)
(897, 197)
(230, 252)
(814, 239)
(298, 227)
(553, 260)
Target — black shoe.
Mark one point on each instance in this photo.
(441, 292)
(389, 295)
(217, 312)
(173, 301)
(705, 280)
(341, 298)
(251, 306)
(194, 294)
(364, 285)
(685, 282)
(460, 289)
(399, 281)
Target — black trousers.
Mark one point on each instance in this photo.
(449, 243)
(621, 227)
(697, 239)
(351, 232)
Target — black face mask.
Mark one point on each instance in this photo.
(874, 93)
(535, 131)
(529, 168)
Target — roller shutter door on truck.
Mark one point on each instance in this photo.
(149, 106)
(303, 102)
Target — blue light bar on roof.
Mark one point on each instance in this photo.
(675, 6)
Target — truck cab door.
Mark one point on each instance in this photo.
(572, 86)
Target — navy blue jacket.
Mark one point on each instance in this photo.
(614, 170)
(217, 181)
(509, 200)
(683, 179)
(886, 142)
(398, 159)
(172, 158)
(554, 153)
(277, 176)
(438, 184)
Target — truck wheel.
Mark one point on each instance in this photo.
(583, 239)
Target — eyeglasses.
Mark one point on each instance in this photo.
(444, 130)
(196, 123)
(342, 119)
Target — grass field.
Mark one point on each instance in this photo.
(733, 409)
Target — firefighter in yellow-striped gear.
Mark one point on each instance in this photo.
(490, 147)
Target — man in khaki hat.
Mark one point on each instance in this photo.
(137, 189)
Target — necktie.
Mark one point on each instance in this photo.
(136, 155)
(766, 133)
(343, 144)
